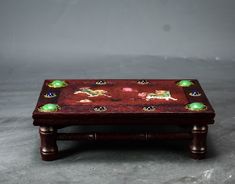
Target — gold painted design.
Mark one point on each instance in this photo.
(91, 92)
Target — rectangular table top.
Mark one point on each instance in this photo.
(74, 99)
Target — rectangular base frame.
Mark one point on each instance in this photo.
(49, 137)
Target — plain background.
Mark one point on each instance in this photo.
(115, 39)
(181, 28)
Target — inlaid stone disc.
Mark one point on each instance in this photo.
(185, 83)
(57, 84)
(49, 108)
(196, 106)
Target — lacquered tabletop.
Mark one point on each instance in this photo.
(122, 96)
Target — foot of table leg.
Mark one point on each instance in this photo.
(48, 149)
(198, 146)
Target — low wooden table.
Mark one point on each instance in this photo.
(124, 102)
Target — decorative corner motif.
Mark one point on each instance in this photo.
(100, 108)
(195, 93)
(50, 95)
(196, 106)
(100, 82)
(149, 108)
(57, 84)
(142, 82)
(185, 83)
(49, 108)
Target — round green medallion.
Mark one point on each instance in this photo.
(49, 108)
(57, 84)
(185, 83)
(196, 106)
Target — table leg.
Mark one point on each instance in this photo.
(198, 146)
(48, 149)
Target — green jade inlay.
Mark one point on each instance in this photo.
(57, 84)
(185, 83)
(49, 108)
(196, 106)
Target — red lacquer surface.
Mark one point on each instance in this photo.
(123, 96)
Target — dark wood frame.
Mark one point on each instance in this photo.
(49, 137)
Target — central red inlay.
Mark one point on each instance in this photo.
(122, 94)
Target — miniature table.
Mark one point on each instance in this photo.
(129, 102)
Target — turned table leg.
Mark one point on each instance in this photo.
(48, 149)
(198, 146)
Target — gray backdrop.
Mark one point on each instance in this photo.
(178, 28)
(115, 39)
